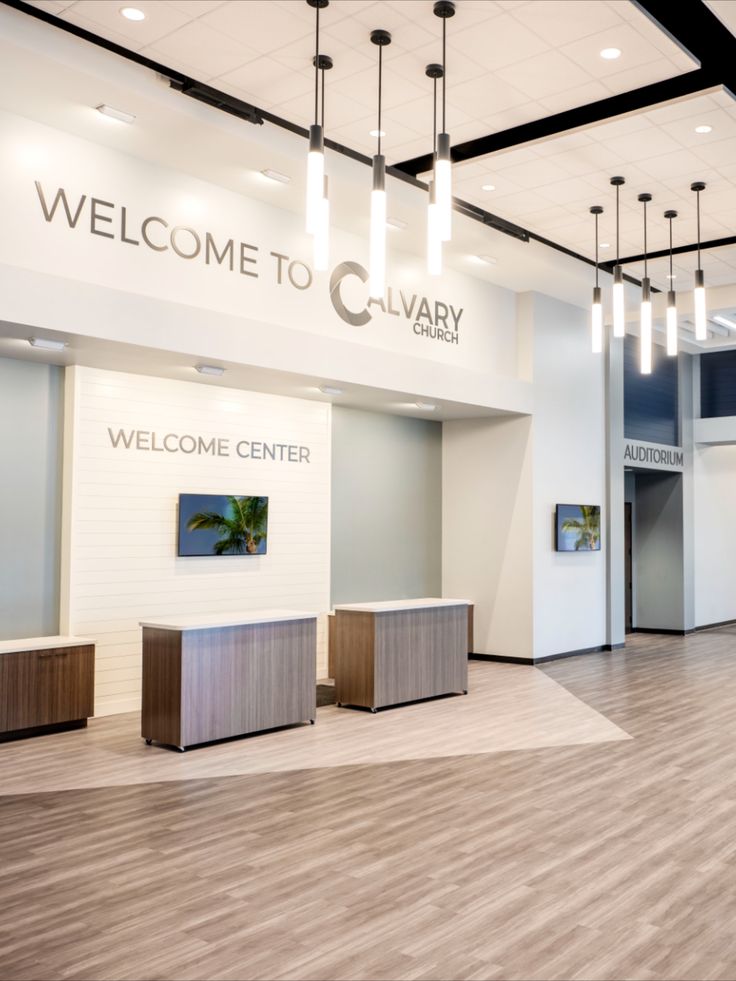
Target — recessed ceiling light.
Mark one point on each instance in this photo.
(118, 114)
(275, 175)
(427, 406)
(46, 343)
(330, 390)
(604, 245)
(132, 13)
(610, 54)
(377, 132)
(488, 187)
(671, 275)
(210, 369)
(704, 129)
(725, 322)
(396, 222)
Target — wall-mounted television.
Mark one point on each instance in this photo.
(222, 524)
(578, 528)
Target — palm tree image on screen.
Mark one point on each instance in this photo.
(242, 526)
(587, 527)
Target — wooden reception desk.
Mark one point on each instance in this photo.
(393, 652)
(213, 677)
(46, 684)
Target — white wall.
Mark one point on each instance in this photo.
(386, 506)
(714, 472)
(568, 468)
(120, 514)
(31, 413)
(487, 529)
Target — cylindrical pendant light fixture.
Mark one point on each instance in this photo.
(645, 323)
(699, 304)
(316, 155)
(596, 314)
(377, 252)
(443, 162)
(671, 330)
(619, 301)
(321, 240)
(434, 232)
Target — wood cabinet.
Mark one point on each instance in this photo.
(395, 652)
(212, 678)
(45, 684)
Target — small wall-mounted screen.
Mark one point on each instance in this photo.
(578, 528)
(222, 524)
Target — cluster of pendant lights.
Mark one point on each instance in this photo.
(617, 299)
(439, 210)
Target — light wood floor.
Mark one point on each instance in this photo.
(508, 707)
(611, 859)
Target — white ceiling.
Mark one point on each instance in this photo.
(260, 50)
(509, 61)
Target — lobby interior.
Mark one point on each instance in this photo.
(367, 593)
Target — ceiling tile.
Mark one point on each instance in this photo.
(563, 21)
(194, 8)
(160, 19)
(196, 44)
(507, 42)
(266, 75)
(549, 72)
(265, 27)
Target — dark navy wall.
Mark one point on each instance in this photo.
(650, 401)
(718, 384)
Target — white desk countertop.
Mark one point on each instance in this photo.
(388, 606)
(211, 621)
(41, 644)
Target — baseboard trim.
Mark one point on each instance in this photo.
(663, 630)
(714, 626)
(533, 661)
(45, 730)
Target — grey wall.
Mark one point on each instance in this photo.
(31, 428)
(386, 507)
(658, 552)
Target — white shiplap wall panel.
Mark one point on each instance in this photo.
(120, 514)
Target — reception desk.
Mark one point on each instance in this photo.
(46, 684)
(213, 677)
(393, 652)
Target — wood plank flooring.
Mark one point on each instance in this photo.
(508, 707)
(599, 860)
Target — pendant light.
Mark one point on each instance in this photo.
(442, 162)
(322, 218)
(596, 322)
(701, 314)
(671, 299)
(316, 155)
(619, 307)
(645, 330)
(434, 236)
(377, 257)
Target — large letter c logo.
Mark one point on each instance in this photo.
(339, 273)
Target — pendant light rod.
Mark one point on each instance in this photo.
(323, 63)
(381, 39)
(444, 9)
(318, 5)
(434, 72)
(671, 316)
(596, 210)
(619, 299)
(645, 199)
(669, 215)
(698, 186)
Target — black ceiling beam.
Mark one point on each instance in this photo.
(645, 97)
(715, 243)
(697, 30)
